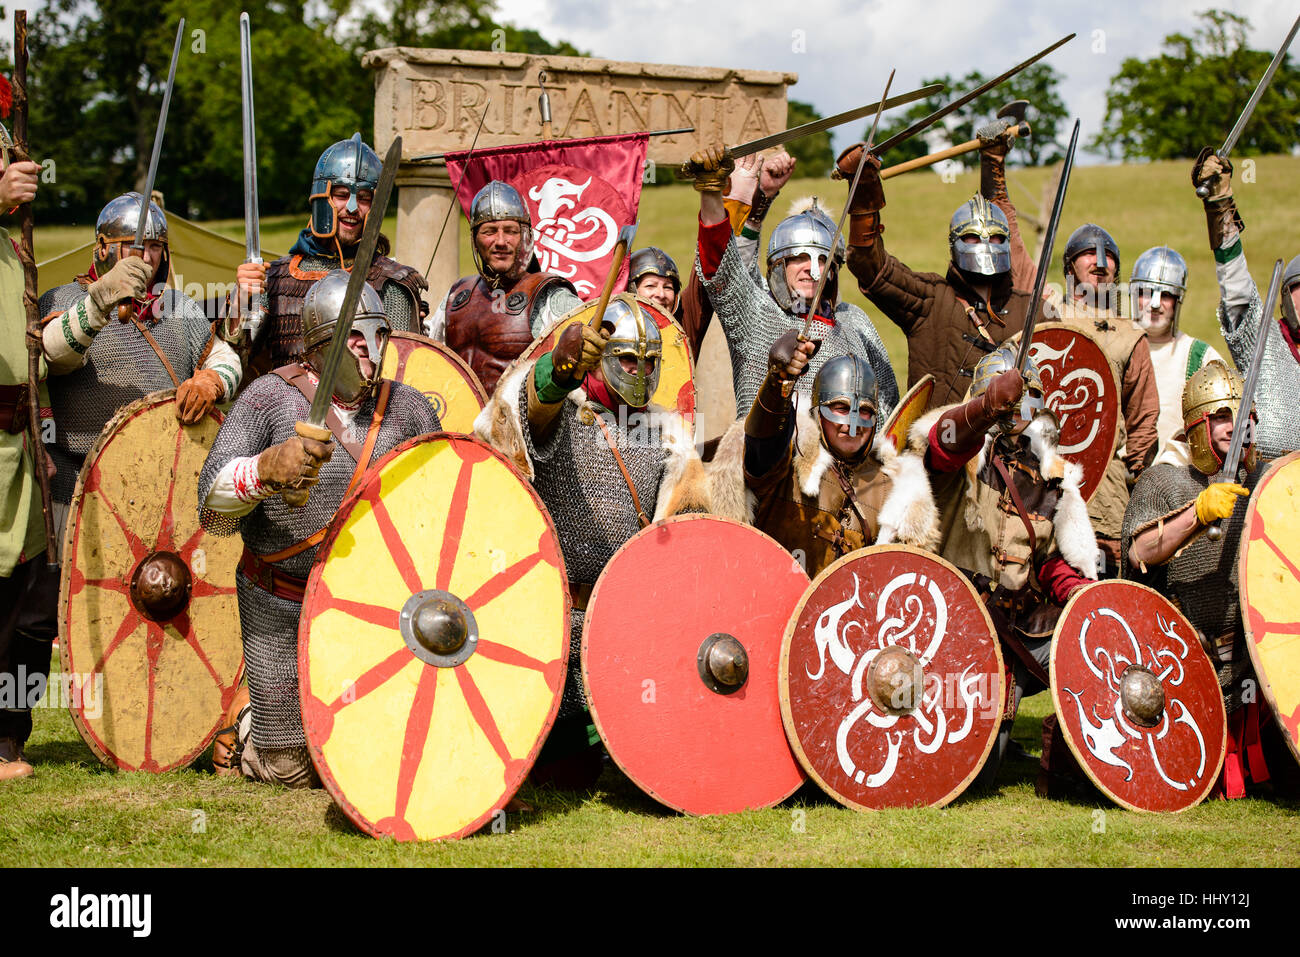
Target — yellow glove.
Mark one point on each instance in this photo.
(1218, 501)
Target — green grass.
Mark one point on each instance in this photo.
(75, 813)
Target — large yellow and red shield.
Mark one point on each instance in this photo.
(910, 408)
(891, 680)
(1079, 387)
(433, 642)
(1136, 698)
(443, 377)
(680, 668)
(1269, 575)
(148, 620)
(677, 372)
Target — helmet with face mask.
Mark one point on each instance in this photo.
(990, 254)
(1212, 389)
(500, 202)
(320, 315)
(1157, 271)
(810, 232)
(349, 163)
(999, 361)
(847, 379)
(635, 336)
(116, 227)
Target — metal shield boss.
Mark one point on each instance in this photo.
(677, 376)
(1079, 387)
(433, 641)
(679, 659)
(891, 680)
(148, 620)
(1136, 698)
(443, 377)
(910, 408)
(1269, 572)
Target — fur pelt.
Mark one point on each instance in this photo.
(685, 486)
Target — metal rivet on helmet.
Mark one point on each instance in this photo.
(978, 217)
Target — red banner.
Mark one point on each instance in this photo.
(580, 194)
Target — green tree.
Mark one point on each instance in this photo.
(814, 153)
(1188, 97)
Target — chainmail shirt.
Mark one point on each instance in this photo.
(264, 415)
(120, 368)
(1279, 378)
(752, 321)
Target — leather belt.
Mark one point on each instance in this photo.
(268, 578)
(13, 408)
(580, 594)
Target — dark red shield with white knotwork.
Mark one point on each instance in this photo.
(891, 680)
(1079, 386)
(679, 659)
(1136, 697)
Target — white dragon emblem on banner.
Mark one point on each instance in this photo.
(903, 606)
(568, 235)
(1102, 736)
(1069, 391)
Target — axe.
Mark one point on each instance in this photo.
(625, 237)
(1014, 110)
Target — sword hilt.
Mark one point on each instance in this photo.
(297, 497)
(1215, 531)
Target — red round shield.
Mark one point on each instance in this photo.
(679, 660)
(1136, 697)
(891, 680)
(1079, 386)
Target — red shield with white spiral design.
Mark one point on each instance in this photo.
(891, 680)
(1137, 699)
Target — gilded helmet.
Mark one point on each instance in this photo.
(498, 202)
(635, 336)
(1213, 388)
(349, 163)
(116, 227)
(809, 232)
(999, 361)
(850, 379)
(990, 252)
(1159, 270)
(320, 314)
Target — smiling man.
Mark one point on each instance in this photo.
(342, 189)
(492, 317)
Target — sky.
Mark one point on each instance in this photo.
(849, 47)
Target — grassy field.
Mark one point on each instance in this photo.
(76, 813)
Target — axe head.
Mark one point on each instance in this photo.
(1014, 110)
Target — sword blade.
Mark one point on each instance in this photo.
(1260, 87)
(817, 126)
(158, 139)
(352, 295)
(958, 103)
(252, 224)
(1044, 261)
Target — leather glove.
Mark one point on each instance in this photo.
(962, 429)
(870, 194)
(1218, 501)
(197, 396)
(710, 168)
(1218, 171)
(294, 463)
(788, 358)
(577, 353)
(1004, 393)
(128, 279)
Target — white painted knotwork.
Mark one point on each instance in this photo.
(567, 234)
(1079, 392)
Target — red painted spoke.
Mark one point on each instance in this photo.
(202, 589)
(508, 656)
(396, 547)
(495, 585)
(372, 679)
(129, 624)
(186, 551)
(1291, 566)
(479, 709)
(371, 614)
(1283, 627)
(154, 637)
(133, 541)
(192, 640)
(417, 732)
(455, 526)
(166, 536)
(108, 584)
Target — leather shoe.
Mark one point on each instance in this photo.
(229, 743)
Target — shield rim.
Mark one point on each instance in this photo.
(918, 396)
(787, 719)
(447, 353)
(111, 427)
(1061, 324)
(586, 681)
(1211, 779)
(533, 350)
(1261, 675)
(313, 583)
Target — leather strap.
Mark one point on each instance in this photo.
(176, 383)
(264, 575)
(613, 447)
(1017, 501)
(580, 594)
(362, 456)
(14, 411)
(296, 375)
